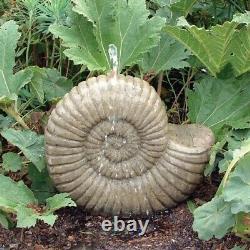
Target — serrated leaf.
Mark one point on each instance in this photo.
(58, 201)
(216, 102)
(103, 22)
(213, 219)
(14, 194)
(217, 47)
(50, 219)
(12, 162)
(81, 44)
(31, 144)
(26, 217)
(167, 55)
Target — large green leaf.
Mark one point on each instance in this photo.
(237, 190)
(10, 84)
(48, 84)
(216, 102)
(213, 219)
(14, 194)
(217, 47)
(103, 22)
(31, 144)
(167, 55)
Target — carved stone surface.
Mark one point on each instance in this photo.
(109, 144)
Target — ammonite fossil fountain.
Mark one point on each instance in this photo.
(109, 145)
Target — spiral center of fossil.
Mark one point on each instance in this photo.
(115, 141)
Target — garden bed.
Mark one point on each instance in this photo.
(77, 230)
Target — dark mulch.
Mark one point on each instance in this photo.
(77, 230)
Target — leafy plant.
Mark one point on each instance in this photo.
(217, 47)
(93, 29)
(31, 144)
(224, 212)
(10, 84)
(17, 198)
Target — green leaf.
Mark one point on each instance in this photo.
(8, 42)
(242, 226)
(238, 54)
(31, 144)
(4, 220)
(12, 162)
(167, 55)
(10, 84)
(216, 102)
(191, 206)
(55, 86)
(58, 201)
(104, 22)
(213, 219)
(50, 219)
(6, 122)
(14, 194)
(237, 190)
(242, 123)
(239, 248)
(36, 83)
(81, 44)
(42, 185)
(183, 7)
(26, 217)
(217, 47)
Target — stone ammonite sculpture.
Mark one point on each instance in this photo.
(109, 145)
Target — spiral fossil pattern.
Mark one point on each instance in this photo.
(109, 144)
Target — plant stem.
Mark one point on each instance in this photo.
(159, 87)
(60, 57)
(29, 39)
(10, 110)
(47, 52)
(53, 52)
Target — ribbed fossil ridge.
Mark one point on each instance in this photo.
(109, 144)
